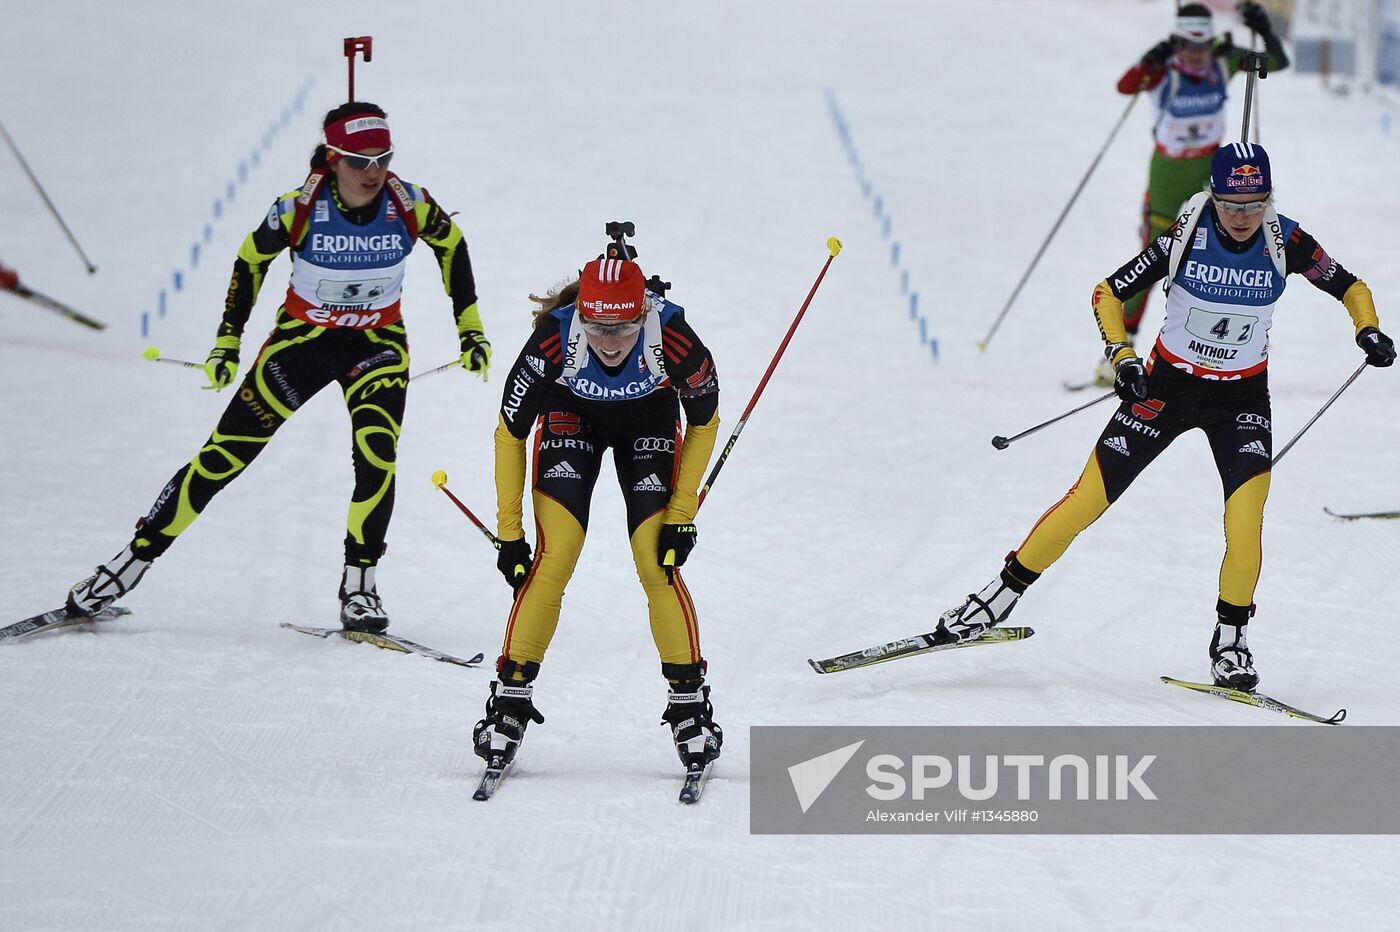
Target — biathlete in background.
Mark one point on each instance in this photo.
(610, 365)
(350, 229)
(1187, 75)
(1226, 261)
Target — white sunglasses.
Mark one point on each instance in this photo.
(361, 162)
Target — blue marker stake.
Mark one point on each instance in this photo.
(194, 256)
(923, 330)
(160, 302)
(894, 254)
(904, 282)
(179, 280)
(145, 324)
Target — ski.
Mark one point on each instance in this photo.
(55, 620)
(386, 641)
(921, 644)
(1258, 700)
(1353, 516)
(694, 785)
(496, 769)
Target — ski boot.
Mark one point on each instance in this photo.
(360, 607)
(987, 608)
(509, 711)
(690, 715)
(1231, 662)
(110, 582)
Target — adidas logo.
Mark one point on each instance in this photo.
(561, 470)
(1256, 447)
(1117, 445)
(535, 363)
(650, 484)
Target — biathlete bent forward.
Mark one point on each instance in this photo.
(1188, 76)
(350, 228)
(609, 366)
(1225, 262)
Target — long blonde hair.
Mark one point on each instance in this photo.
(560, 295)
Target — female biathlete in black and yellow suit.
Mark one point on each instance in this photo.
(608, 366)
(350, 228)
(1226, 266)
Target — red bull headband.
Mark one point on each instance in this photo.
(356, 133)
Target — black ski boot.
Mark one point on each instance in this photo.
(1231, 662)
(509, 711)
(690, 715)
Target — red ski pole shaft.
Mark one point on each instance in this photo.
(440, 480)
(833, 246)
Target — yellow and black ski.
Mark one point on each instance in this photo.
(1256, 699)
(908, 647)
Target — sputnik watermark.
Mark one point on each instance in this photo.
(1075, 780)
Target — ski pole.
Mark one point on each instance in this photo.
(44, 194)
(442, 368)
(1001, 443)
(353, 45)
(1257, 64)
(1055, 229)
(833, 246)
(440, 480)
(1345, 385)
(153, 354)
(9, 281)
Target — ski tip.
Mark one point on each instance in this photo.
(1000, 442)
(833, 246)
(1337, 719)
(440, 478)
(815, 666)
(151, 353)
(481, 796)
(478, 658)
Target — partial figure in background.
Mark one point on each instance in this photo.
(350, 229)
(1187, 75)
(1225, 261)
(611, 364)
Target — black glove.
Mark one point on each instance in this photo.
(673, 546)
(1379, 348)
(1130, 379)
(476, 353)
(1158, 54)
(1255, 17)
(514, 561)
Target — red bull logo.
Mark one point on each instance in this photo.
(1245, 176)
